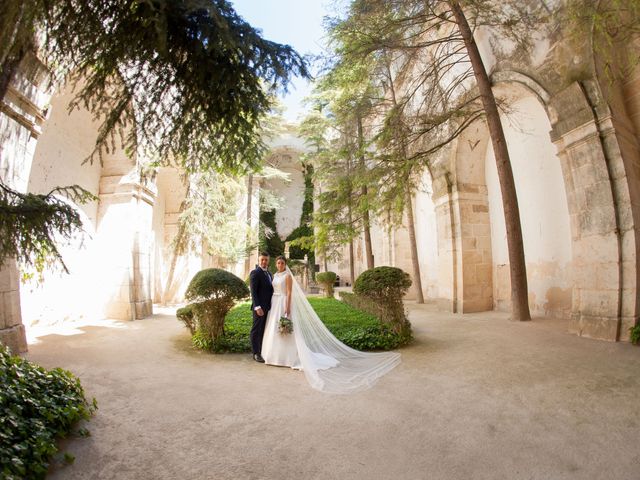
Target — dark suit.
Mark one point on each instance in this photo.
(261, 293)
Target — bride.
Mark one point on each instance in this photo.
(328, 364)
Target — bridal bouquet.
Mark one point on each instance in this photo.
(285, 325)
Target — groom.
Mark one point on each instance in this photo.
(261, 293)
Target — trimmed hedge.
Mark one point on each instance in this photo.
(395, 319)
(353, 327)
(37, 406)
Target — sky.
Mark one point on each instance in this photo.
(294, 22)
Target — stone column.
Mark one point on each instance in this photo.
(464, 249)
(12, 332)
(21, 118)
(601, 221)
(448, 225)
(474, 256)
(124, 235)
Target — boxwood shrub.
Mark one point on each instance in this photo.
(327, 279)
(213, 292)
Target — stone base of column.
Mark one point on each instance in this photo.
(590, 326)
(14, 338)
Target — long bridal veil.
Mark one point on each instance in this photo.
(328, 364)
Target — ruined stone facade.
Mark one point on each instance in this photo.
(576, 160)
(574, 150)
(119, 266)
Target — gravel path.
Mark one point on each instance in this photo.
(476, 397)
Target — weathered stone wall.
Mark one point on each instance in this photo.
(22, 114)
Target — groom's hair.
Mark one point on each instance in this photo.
(264, 254)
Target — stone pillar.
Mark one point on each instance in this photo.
(464, 247)
(448, 225)
(124, 235)
(600, 216)
(12, 332)
(21, 118)
(475, 248)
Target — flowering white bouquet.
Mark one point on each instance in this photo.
(285, 325)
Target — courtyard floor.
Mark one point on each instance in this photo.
(476, 397)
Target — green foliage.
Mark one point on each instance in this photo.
(307, 205)
(635, 334)
(301, 240)
(199, 75)
(298, 250)
(187, 316)
(609, 28)
(378, 337)
(356, 328)
(37, 406)
(269, 240)
(31, 224)
(213, 292)
(210, 216)
(391, 314)
(327, 280)
(353, 327)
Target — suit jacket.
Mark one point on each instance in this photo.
(261, 289)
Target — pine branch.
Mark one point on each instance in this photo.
(32, 225)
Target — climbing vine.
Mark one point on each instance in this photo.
(302, 237)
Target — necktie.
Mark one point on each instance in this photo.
(268, 276)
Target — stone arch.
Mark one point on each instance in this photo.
(121, 216)
(543, 206)
(467, 215)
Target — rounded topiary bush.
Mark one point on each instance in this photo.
(213, 292)
(382, 282)
(386, 286)
(327, 279)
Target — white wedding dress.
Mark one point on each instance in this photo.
(279, 348)
(328, 364)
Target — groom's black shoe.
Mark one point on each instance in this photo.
(258, 358)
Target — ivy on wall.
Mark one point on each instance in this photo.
(304, 230)
(269, 239)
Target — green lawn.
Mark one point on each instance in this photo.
(353, 327)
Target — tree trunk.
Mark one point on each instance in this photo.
(366, 223)
(411, 227)
(178, 249)
(518, 269)
(9, 62)
(172, 267)
(9, 69)
(351, 256)
(352, 270)
(247, 261)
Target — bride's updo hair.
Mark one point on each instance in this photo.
(281, 257)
